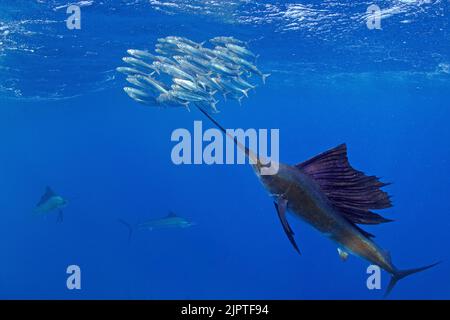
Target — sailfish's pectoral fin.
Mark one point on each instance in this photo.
(342, 254)
(281, 206)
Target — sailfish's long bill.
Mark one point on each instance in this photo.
(328, 193)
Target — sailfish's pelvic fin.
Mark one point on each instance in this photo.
(281, 206)
(342, 254)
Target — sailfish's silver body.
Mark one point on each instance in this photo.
(328, 193)
(334, 198)
(306, 200)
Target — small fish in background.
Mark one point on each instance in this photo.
(168, 222)
(227, 40)
(50, 201)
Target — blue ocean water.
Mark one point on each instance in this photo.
(65, 122)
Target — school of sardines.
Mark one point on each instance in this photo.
(184, 73)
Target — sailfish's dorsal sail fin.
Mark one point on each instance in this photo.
(46, 196)
(171, 215)
(352, 192)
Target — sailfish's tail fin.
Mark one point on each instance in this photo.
(400, 274)
(130, 228)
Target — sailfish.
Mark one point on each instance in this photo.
(49, 202)
(333, 197)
